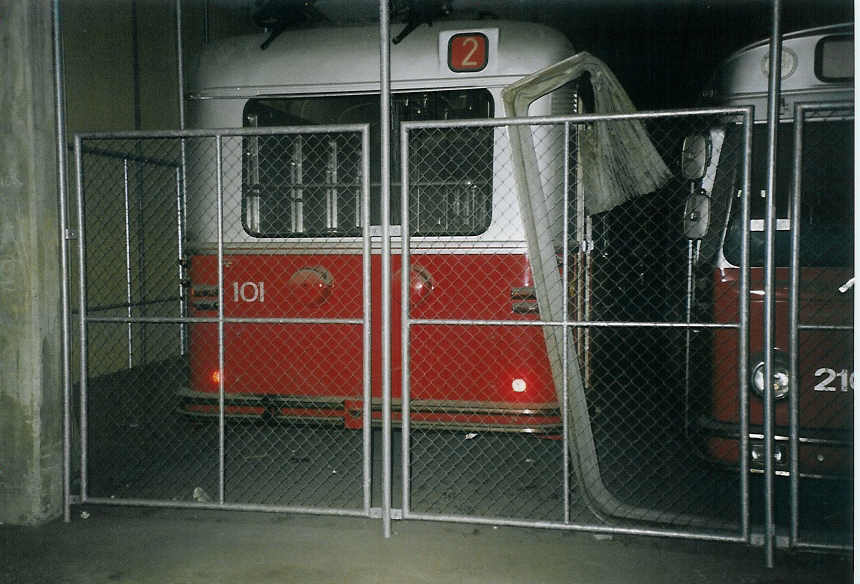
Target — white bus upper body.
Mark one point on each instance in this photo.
(345, 61)
(817, 66)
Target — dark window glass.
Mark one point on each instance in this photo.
(310, 184)
(827, 196)
(834, 58)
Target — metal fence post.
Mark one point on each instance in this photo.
(774, 78)
(793, 334)
(65, 236)
(128, 279)
(367, 417)
(744, 330)
(565, 266)
(405, 276)
(82, 313)
(385, 191)
(222, 373)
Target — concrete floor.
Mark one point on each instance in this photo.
(165, 546)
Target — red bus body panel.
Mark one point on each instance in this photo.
(461, 376)
(825, 417)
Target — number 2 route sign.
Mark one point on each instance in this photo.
(467, 52)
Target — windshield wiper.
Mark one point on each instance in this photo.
(421, 12)
(276, 16)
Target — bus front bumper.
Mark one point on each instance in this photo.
(821, 453)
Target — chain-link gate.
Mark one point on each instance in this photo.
(558, 364)
(218, 368)
(814, 263)
(626, 401)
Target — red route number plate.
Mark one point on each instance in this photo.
(467, 52)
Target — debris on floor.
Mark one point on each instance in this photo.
(201, 496)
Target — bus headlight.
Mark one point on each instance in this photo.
(780, 377)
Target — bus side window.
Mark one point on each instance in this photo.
(300, 185)
(451, 182)
(451, 171)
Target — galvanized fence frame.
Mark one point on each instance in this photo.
(405, 512)
(85, 316)
(796, 326)
(742, 326)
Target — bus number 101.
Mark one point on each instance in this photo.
(249, 292)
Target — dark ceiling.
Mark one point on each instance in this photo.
(662, 50)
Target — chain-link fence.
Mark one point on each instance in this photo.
(599, 434)
(652, 421)
(559, 362)
(217, 371)
(815, 259)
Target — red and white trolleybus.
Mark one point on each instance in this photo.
(292, 244)
(818, 72)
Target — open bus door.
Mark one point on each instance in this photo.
(610, 167)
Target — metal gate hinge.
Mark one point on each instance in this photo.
(71, 234)
(586, 246)
(376, 513)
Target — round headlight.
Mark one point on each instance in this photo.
(780, 378)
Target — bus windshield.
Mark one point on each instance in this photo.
(826, 217)
(309, 185)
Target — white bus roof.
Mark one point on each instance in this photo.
(316, 60)
(743, 76)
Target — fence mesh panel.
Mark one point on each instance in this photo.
(825, 367)
(289, 352)
(653, 325)
(647, 374)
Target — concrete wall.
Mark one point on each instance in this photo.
(30, 346)
(120, 56)
(121, 74)
(97, 46)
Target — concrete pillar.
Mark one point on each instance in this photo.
(31, 448)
